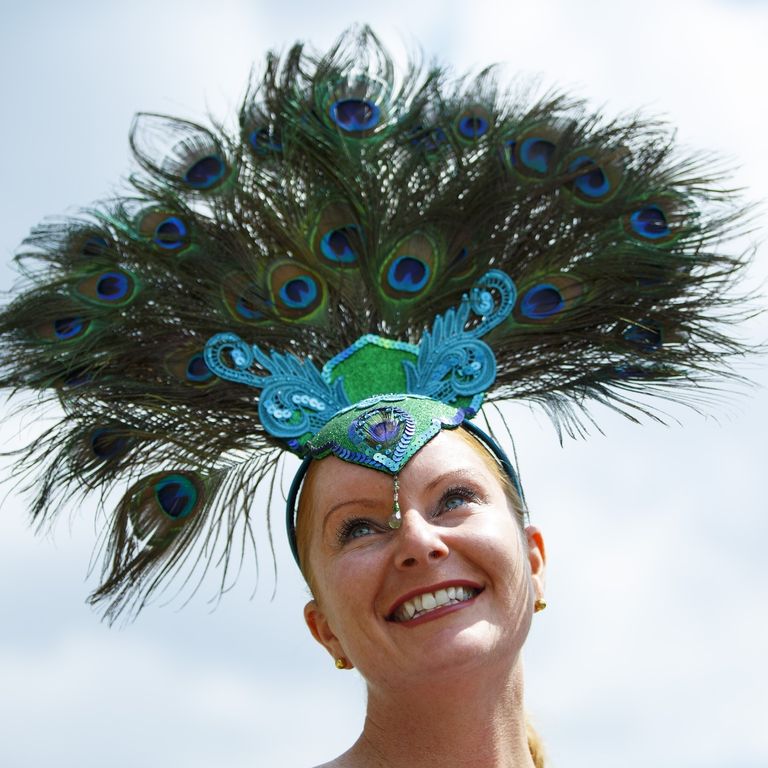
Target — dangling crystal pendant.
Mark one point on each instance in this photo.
(395, 519)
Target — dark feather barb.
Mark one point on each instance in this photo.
(353, 199)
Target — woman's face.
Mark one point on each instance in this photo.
(453, 585)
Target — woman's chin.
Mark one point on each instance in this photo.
(453, 644)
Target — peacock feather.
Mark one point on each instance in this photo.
(353, 200)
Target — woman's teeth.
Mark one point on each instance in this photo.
(429, 601)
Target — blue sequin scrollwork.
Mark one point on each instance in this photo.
(452, 360)
(295, 400)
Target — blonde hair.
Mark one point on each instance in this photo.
(303, 514)
(535, 744)
(498, 472)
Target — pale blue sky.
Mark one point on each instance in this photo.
(652, 651)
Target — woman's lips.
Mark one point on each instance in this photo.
(439, 598)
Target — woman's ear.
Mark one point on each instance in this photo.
(537, 557)
(322, 632)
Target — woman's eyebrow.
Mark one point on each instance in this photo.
(366, 503)
(454, 474)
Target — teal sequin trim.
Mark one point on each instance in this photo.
(384, 432)
(450, 366)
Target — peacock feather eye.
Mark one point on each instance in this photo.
(409, 270)
(339, 246)
(541, 301)
(159, 507)
(107, 443)
(188, 365)
(170, 234)
(650, 223)
(205, 172)
(296, 292)
(115, 287)
(593, 182)
(69, 327)
(264, 141)
(657, 221)
(536, 151)
(66, 328)
(244, 299)
(380, 429)
(336, 239)
(645, 335)
(178, 151)
(473, 127)
(546, 299)
(198, 370)
(355, 115)
(536, 154)
(408, 274)
(176, 495)
(259, 131)
(357, 105)
(165, 229)
(473, 123)
(86, 247)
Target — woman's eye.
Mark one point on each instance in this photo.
(455, 498)
(355, 529)
(452, 502)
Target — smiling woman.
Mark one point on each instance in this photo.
(434, 612)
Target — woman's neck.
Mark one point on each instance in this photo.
(475, 721)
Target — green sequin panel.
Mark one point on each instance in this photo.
(373, 369)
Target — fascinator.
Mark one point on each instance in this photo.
(367, 258)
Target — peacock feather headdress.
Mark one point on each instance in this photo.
(366, 240)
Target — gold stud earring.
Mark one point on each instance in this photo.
(341, 663)
(539, 605)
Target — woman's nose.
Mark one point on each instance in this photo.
(418, 542)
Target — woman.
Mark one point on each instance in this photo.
(434, 613)
(431, 244)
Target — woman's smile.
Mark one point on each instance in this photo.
(433, 602)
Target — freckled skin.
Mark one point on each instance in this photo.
(457, 526)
